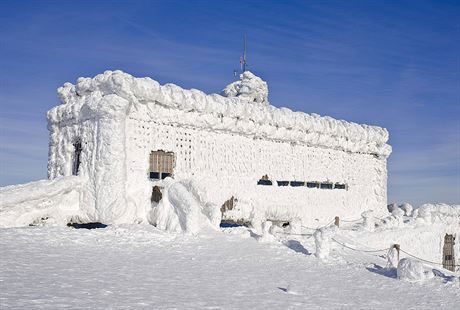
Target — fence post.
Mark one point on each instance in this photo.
(337, 221)
(397, 247)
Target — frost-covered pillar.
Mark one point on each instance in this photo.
(109, 176)
(52, 146)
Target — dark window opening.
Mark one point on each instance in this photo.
(156, 194)
(312, 184)
(164, 175)
(297, 183)
(264, 182)
(230, 224)
(76, 158)
(327, 185)
(340, 186)
(87, 225)
(283, 183)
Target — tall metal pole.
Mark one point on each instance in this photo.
(244, 54)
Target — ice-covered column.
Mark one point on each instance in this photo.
(368, 220)
(323, 240)
(266, 233)
(109, 176)
(398, 214)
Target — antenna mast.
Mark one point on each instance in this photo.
(243, 58)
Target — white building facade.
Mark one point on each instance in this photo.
(234, 152)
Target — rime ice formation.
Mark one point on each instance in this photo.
(314, 168)
(178, 210)
(323, 240)
(412, 270)
(250, 88)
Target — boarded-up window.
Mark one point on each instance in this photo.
(76, 158)
(448, 257)
(161, 164)
(340, 186)
(312, 184)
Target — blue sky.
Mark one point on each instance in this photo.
(394, 64)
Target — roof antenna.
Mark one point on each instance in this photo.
(243, 58)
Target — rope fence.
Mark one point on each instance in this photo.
(359, 250)
(396, 246)
(311, 228)
(426, 261)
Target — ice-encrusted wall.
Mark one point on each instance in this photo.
(223, 145)
(226, 164)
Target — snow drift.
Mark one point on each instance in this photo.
(179, 210)
(45, 202)
(412, 270)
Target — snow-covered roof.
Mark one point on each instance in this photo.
(245, 101)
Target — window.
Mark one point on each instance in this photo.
(283, 183)
(297, 183)
(161, 164)
(340, 186)
(264, 181)
(312, 184)
(327, 185)
(76, 158)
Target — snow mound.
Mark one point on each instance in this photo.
(42, 202)
(267, 235)
(179, 210)
(294, 290)
(412, 270)
(440, 212)
(250, 87)
(323, 240)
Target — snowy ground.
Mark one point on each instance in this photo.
(140, 267)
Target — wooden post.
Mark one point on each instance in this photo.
(397, 247)
(337, 221)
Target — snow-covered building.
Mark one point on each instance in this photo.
(235, 156)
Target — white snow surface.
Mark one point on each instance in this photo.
(142, 267)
